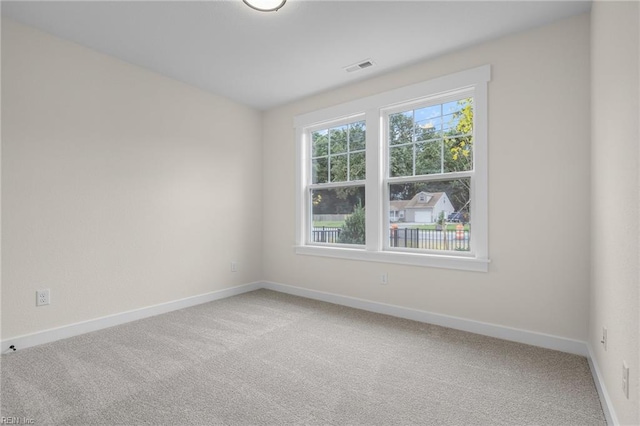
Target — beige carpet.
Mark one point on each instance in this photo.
(270, 358)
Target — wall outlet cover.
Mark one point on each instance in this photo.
(43, 297)
(625, 379)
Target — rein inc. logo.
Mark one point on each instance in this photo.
(17, 421)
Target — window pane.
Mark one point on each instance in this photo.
(338, 215)
(428, 129)
(320, 143)
(428, 158)
(339, 168)
(357, 136)
(338, 139)
(430, 215)
(401, 161)
(338, 153)
(428, 112)
(358, 166)
(463, 117)
(450, 123)
(319, 170)
(401, 128)
(451, 107)
(458, 154)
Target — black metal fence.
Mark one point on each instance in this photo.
(325, 234)
(429, 239)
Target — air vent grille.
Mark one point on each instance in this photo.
(367, 63)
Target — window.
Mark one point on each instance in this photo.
(398, 177)
(427, 143)
(337, 187)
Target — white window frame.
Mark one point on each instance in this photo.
(374, 109)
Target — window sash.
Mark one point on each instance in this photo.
(309, 218)
(348, 153)
(387, 221)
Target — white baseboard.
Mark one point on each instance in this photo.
(492, 330)
(53, 334)
(507, 333)
(607, 405)
(486, 329)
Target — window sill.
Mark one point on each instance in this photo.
(407, 258)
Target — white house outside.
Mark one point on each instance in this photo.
(424, 207)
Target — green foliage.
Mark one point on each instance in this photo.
(459, 141)
(357, 133)
(401, 160)
(401, 132)
(353, 230)
(428, 147)
(337, 200)
(400, 128)
(428, 157)
(338, 153)
(432, 140)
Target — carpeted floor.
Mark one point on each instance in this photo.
(265, 358)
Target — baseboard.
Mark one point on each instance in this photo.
(51, 335)
(605, 400)
(492, 330)
(507, 333)
(486, 329)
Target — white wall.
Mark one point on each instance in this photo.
(1, 25)
(539, 170)
(120, 188)
(615, 299)
(123, 189)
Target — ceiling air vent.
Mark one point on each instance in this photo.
(359, 66)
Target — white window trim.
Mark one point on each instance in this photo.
(372, 108)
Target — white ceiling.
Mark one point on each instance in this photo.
(268, 59)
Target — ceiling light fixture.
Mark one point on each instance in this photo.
(265, 5)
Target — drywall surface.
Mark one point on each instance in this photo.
(538, 191)
(615, 199)
(0, 190)
(121, 188)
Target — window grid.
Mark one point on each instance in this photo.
(444, 129)
(348, 153)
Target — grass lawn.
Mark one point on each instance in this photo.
(450, 226)
(328, 224)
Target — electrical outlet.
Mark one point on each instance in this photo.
(604, 338)
(625, 379)
(234, 266)
(43, 297)
(384, 278)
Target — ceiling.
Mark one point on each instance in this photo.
(268, 59)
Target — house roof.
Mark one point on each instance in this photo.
(397, 205)
(415, 202)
